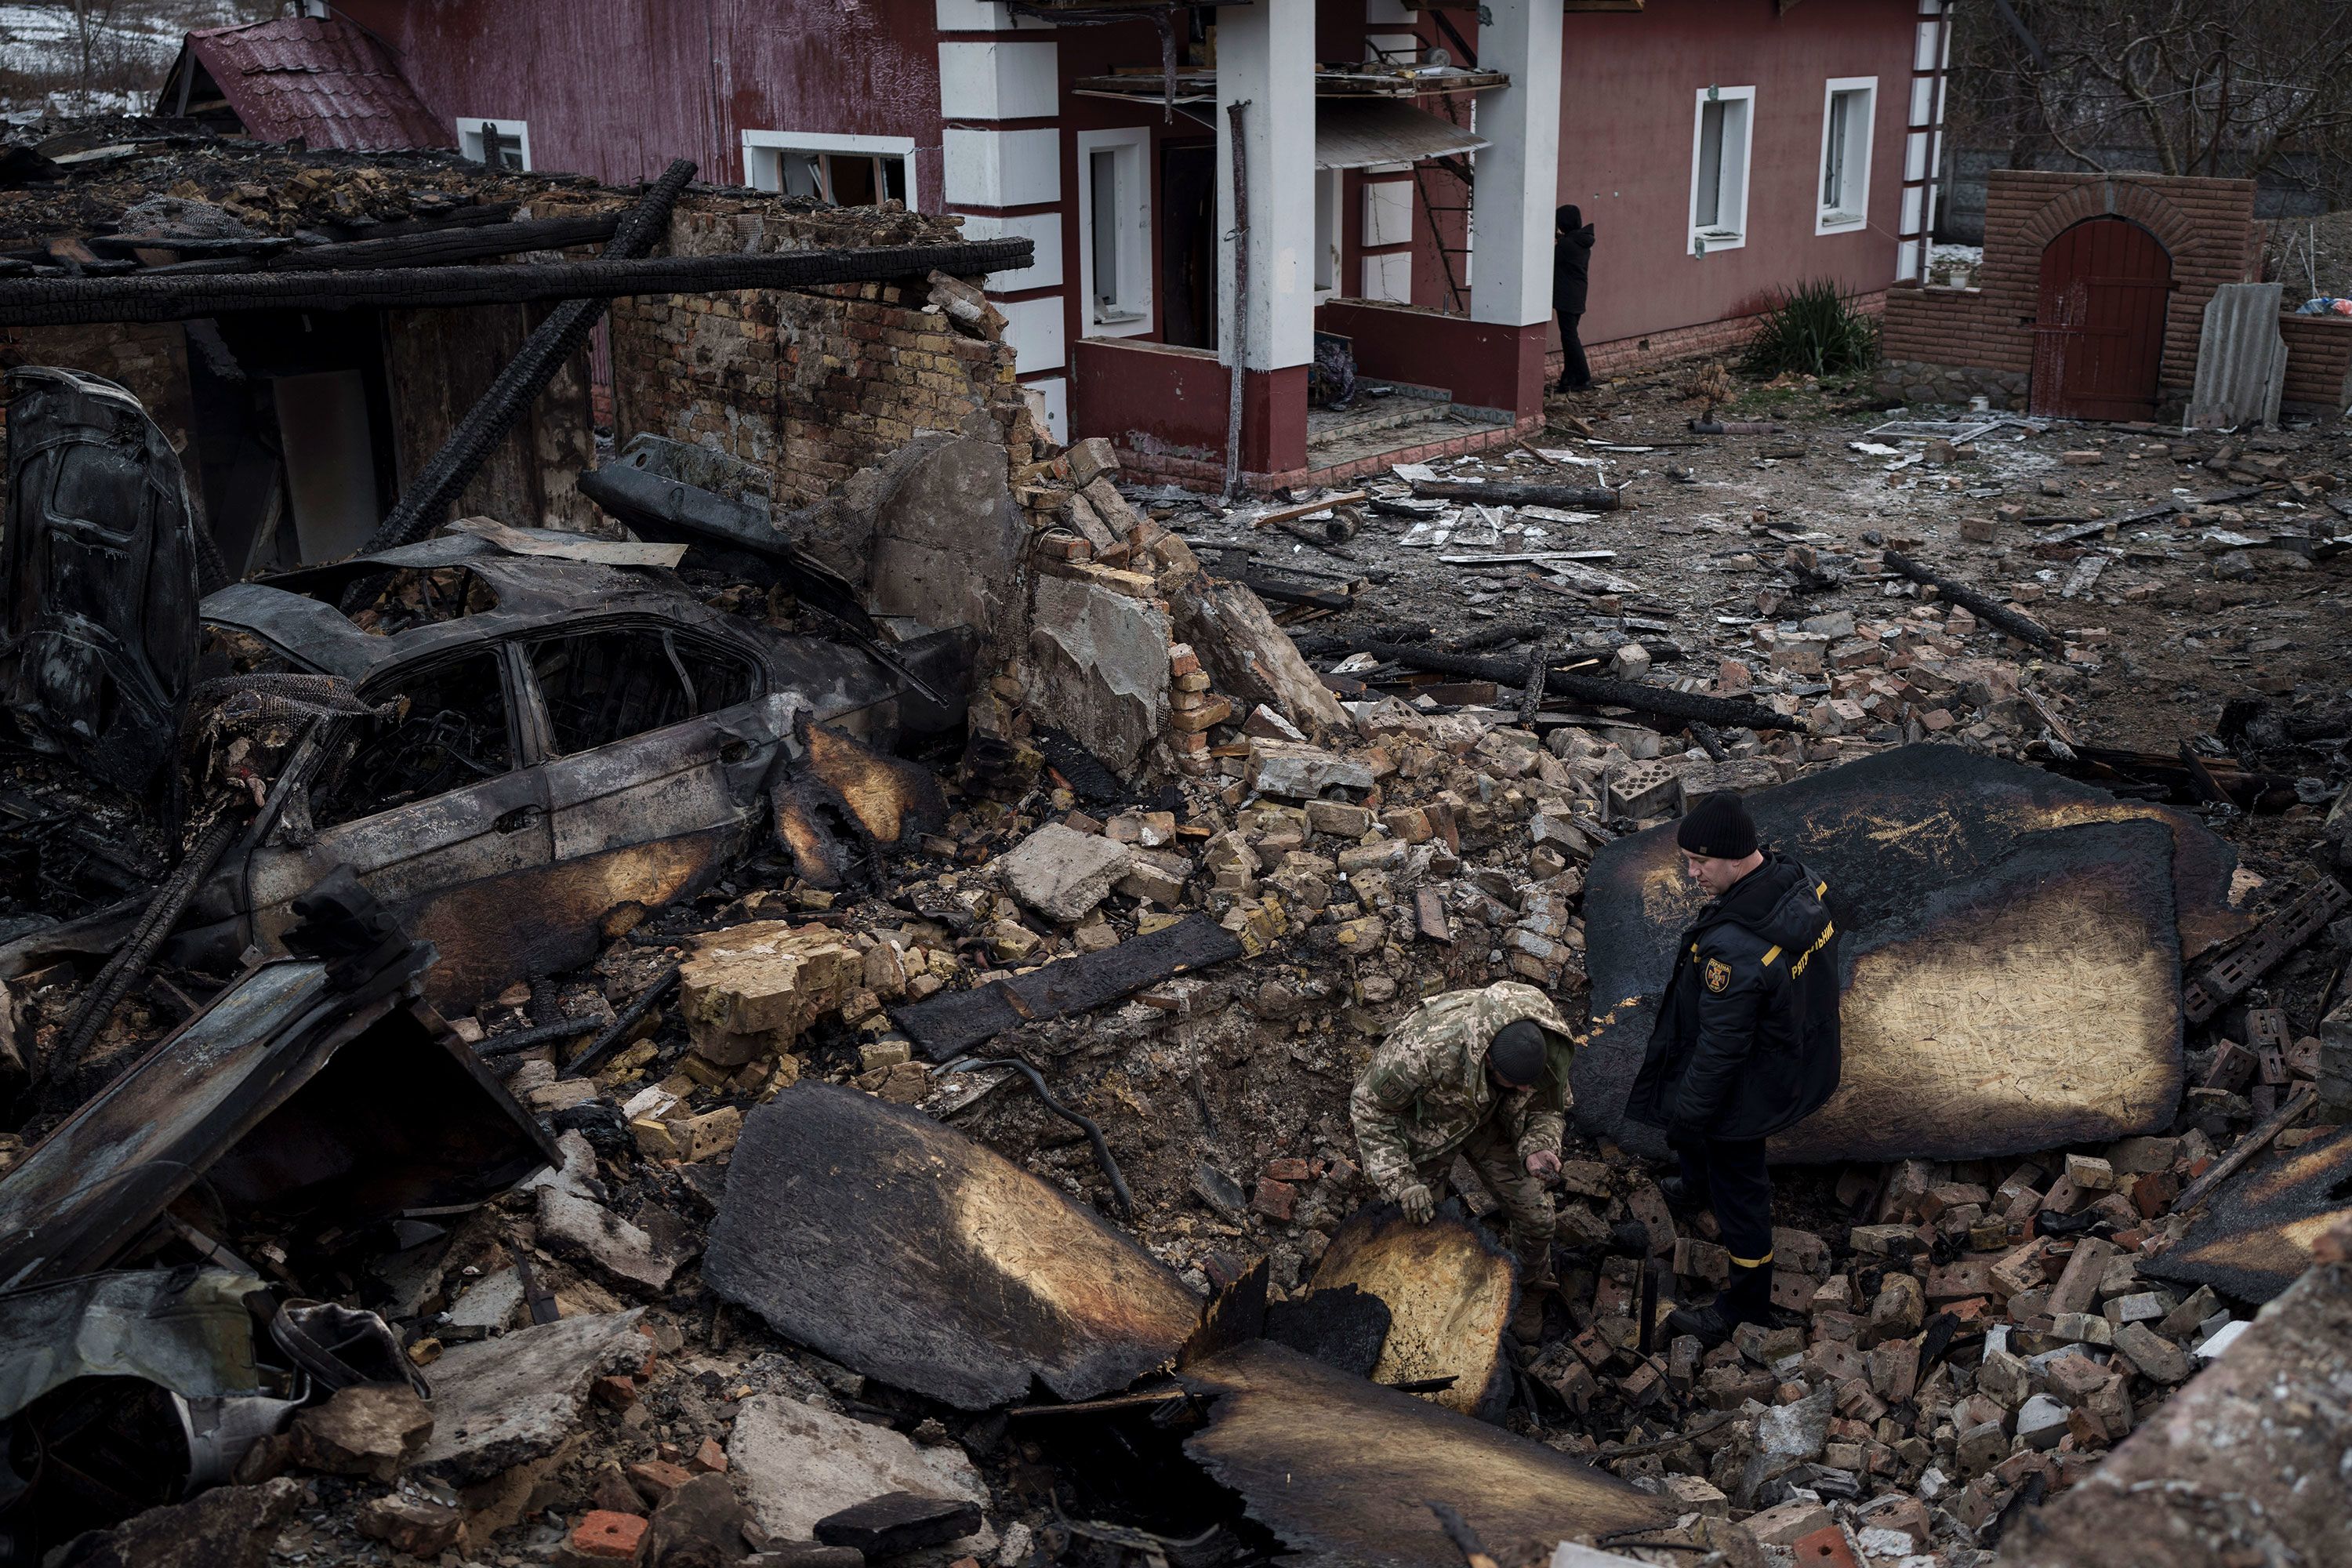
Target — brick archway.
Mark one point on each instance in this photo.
(2117, 195)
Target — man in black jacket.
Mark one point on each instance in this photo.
(1745, 1043)
(1572, 259)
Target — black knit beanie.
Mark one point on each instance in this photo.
(1517, 1053)
(1718, 828)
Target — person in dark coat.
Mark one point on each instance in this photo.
(1745, 1043)
(1571, 260)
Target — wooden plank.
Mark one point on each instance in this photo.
(1308, 509)
(954, 1022)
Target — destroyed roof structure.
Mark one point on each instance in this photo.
(322, 80)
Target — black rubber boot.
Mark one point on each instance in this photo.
(1680, 1197)
(1748, 1299)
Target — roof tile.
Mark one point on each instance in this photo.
(323, 79)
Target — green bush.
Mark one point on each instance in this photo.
(1813, 331)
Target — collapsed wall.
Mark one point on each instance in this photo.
(811, 386)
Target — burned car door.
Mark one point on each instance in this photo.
(434, 809)
(99, 635)
(659, 740)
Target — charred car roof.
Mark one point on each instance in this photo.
(295, 612)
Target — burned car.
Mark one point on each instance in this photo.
(530, 730)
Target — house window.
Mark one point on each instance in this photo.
(500, 143)
(1329, 183)
(839, 171)
(1846, 154)
(1719, 142)
(1115, 231)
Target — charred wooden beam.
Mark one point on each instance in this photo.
(1985, 608)
(1599, 689)
(425, 503)
(433, 249)
(1570, 497)
(74, 301)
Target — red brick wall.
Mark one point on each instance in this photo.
(2207, 226)
(2318, 362)
(811, 386)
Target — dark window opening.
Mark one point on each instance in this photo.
(448, 730)
(603, 687)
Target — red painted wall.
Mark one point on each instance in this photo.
(1483, 365)
(1628, 98)
(617, 89)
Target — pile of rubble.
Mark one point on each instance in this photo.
(961, 1169)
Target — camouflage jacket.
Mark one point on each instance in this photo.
(1426, 1090)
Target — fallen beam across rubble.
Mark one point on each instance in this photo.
(1510, 492)
(1662, 700)
(1990, 610)
(953, 1022)
(78, 301)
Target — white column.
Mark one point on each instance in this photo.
(1518, 170)
(1005, 181)
(1266, 57)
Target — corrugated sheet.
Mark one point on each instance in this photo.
(1360, 133)
(322, 80)
(2241, 358)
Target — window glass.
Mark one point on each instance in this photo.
(1710, 165)
(603, 687)
(447, 730)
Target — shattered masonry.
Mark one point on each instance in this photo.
(781, 986)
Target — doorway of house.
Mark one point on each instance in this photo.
(1187, 257)
(2098, 339)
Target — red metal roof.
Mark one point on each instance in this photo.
(323, 79)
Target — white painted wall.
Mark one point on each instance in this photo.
(1043, 229)
(994, 80)
(1266, 57)
(1519, 171)
(1002, 168)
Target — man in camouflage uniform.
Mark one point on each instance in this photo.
(1483, 1074)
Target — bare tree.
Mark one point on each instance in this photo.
(2188, 87)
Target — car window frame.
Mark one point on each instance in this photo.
(325, 738)
(684, 637)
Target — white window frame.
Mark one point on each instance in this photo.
(1331, 233)
(1131, 314)
(469, 136)
(1721, 236)
(1847, 218)
(763, 160)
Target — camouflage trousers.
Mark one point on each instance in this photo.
(1526, 1202)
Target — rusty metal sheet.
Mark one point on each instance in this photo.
(1343, 1469)
(903, 1250)
(1449, 1289)
(2255, 1235)
(2011, 956)
(954, 1022)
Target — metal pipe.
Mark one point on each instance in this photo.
(1233, 114)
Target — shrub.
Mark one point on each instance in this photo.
(1813, 331)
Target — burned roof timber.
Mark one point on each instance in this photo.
(73, 301)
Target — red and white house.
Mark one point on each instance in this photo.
(1724, 150)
